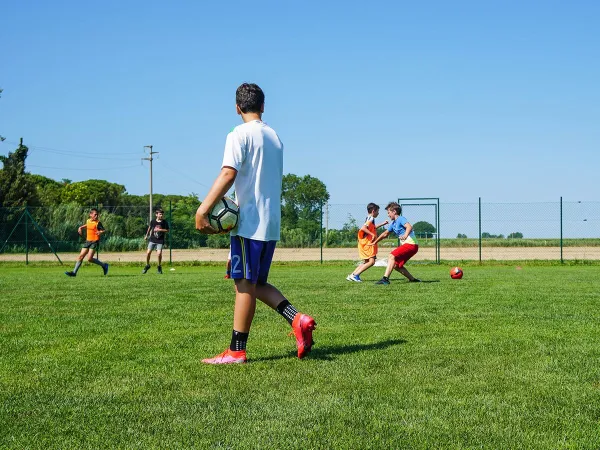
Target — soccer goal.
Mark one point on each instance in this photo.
(424, 215)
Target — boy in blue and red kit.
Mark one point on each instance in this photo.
(408, 243)
(253, 160)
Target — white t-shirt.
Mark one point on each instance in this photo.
(256, 152)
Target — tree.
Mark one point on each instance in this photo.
(15, 187)
(515, 235)
(302, 200)
(424, 229)
(92, 192)
(48, 190)
(461, 236)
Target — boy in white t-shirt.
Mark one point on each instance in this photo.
(253, 160)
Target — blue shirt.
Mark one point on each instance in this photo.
(398, 226)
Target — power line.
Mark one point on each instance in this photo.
(84, 168)
(71, 152)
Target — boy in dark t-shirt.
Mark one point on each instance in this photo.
(155, 235)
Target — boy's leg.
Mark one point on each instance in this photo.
(388, 270)
(78, 262)
(404, 254)
(97, 261)
(364, 266)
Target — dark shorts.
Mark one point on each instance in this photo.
(404, 253)
(92, 245)
(250, 259)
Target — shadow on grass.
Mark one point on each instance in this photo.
(329, 353)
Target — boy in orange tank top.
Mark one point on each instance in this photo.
(93, 231)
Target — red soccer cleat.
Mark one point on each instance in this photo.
(303, 327)
(228, 357)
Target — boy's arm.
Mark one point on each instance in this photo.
(408, 228)
(364, 229)
(382, 224)
(81, 228)
(219, 188)
(100, 229)
(381, 236)
(147, 233)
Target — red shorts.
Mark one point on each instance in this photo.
(404, 253)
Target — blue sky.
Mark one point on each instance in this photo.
(379, 100)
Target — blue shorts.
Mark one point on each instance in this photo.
(250, 259)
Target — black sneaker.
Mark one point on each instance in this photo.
(415, 280)
(146, 268)
(105, 268)
(383, 281)
(70, 274)
(159, 269)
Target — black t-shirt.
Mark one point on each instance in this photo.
(158, 237)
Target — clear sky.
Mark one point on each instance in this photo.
(379, 100)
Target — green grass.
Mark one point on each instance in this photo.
(504, 358)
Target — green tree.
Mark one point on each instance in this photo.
(424, 229)
(302, 200)
(15, 187)
(515, 235)
(461, 236)
(92, 192)
(48, 190)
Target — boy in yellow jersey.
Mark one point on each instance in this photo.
(367, 234)
(94, 230)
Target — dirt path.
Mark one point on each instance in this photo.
(349, 254)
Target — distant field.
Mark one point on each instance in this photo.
(507, 357)
(338, 254)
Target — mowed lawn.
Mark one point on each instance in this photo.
(507, 357)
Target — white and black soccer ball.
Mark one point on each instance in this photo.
(224, 216)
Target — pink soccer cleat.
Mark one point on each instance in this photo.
(303, 327)
(228, 357)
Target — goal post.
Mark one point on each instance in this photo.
(424, 209)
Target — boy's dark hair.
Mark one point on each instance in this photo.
(94, 209)
(394, 207)
(372, 207)
(250, 98)
(159, 210)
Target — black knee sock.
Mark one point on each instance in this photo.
(287, 310)
(238, 341)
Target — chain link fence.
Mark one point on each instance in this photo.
(475, 231)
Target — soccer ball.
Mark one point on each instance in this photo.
(456, 273)
(224, 215)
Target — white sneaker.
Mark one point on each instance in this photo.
(353, 277)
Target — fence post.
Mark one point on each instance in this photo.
(561, 232)
(26, 237)
(170, 234)
(479, 230)
(321, 233)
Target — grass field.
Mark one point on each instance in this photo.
(505, 358)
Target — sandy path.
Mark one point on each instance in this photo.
(350, 254)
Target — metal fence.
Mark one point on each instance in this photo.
(476, 231)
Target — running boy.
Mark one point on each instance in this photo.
(155, 235)
(408, 243)
(367, 234)
(94, 230)
(253, 160)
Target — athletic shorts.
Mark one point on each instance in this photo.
(154, 245)
(404, 253)
(91, 244)
(250, 259)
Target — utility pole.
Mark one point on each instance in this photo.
(150, 159)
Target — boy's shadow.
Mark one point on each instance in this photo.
(329, 353)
